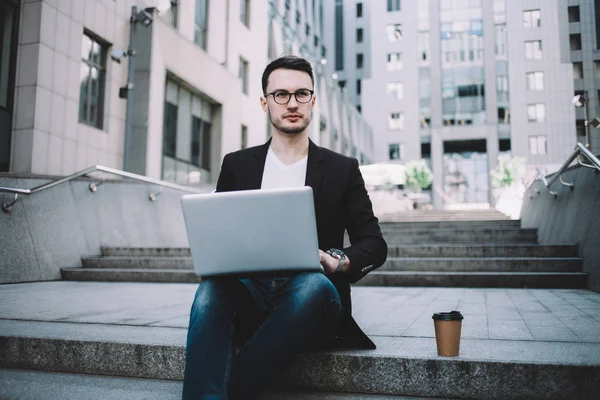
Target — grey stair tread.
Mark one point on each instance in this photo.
(466, 259)
(471, 273)
(483, 264)
(482, 250)
(399, 365)
(136, 257)
(35, 385)
(475, 279)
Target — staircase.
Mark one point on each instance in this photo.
(535, 344)
(439, 248)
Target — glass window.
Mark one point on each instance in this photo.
(423, 46)
(243, 75)
(359, 60)
(531, 19)
(170, 130)
(503, 115)
(92, 81)
(245, 12)
(201, 23)
(533, 50)
(358, 86)
(535, 81)
(502, 84)
(396, 121)
(359, 35)
(597, 68)
(536, 112)
(574, 14)
(339, 36)
(394, 61)
(396, 151)
(537, 145)
(395, 90)
(393, 5)
(394, 32)
(575, 41)
(244, 137)
(577, 70)
(359, 10)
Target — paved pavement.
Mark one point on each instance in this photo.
(546, 315)
(508, 325)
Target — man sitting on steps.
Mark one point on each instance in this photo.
(307, 310)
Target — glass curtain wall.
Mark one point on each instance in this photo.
(187, 127)
(463, 85)
(8, 59)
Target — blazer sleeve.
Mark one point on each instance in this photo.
(368, 249)
(225, 181)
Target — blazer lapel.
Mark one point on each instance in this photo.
(315, 168)
(255, 173)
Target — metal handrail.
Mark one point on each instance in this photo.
(580, 149)
(92, 186)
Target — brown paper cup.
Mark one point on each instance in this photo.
(447, 332)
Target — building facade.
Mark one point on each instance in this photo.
(459, 82)
(70, 100)
(580, 45)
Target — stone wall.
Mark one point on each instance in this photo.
(54, 228)
(573, 217)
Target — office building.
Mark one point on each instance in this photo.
(459, 82)
(68, 100)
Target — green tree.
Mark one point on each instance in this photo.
(509, 171)
(418, 175)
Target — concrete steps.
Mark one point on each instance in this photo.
(30, 384)
(130, 275)
(445, 215)
(460, 235)
(482, 264)
(408, 366)
(566, 280)
(482, 250)
(490, 251)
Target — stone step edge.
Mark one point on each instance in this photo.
(376, 272)
(378, 374)
(482, 273)
(389, 258)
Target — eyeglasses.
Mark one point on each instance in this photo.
(283, 96)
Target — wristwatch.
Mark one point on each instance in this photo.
(339, 254)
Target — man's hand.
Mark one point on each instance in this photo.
(331, 263)
(328, 262)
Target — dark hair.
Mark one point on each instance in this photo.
(287, 62)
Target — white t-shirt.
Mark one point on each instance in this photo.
(278, 175)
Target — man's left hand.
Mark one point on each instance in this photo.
(330, 263)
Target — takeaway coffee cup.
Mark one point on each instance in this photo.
(447, 332)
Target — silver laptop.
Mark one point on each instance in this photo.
(252, 232)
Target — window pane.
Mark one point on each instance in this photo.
(541, 112)
(86, 47)
(83, 92)
(533, 146)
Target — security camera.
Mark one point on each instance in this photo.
(145, 17)
(579, 100)
(117, 54)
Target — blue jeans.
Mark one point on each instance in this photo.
(303, 314)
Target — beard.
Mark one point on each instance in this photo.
(291, 130)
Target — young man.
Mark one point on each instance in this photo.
(302, 312)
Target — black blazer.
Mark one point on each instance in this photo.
(341, 203)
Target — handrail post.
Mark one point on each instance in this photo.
(7, 207)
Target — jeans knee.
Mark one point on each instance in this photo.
(317, 287)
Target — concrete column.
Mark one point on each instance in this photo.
(492, 151)
(437, 164)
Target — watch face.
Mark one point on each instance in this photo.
(336, 253)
